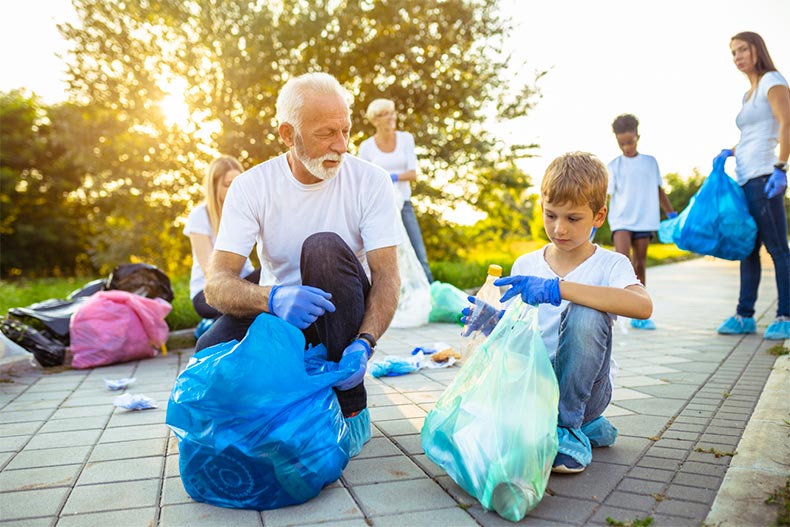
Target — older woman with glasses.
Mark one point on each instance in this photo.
(393, 150)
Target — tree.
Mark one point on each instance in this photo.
(42, 231)
(440, 60)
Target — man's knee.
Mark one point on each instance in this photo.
(320, 243)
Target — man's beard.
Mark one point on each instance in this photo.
(315, 165)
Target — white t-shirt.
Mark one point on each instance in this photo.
(268, 205)
(755, 154)
(633, 187)
(603, 268)
(400, 160)
(198, 223)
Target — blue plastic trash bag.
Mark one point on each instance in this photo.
(257, 422)
(494, 429)
(716, 221)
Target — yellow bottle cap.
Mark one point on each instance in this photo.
(495, 270)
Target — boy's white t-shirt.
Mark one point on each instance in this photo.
(755, 154)
(198, 223)
(268, 205)
(633, 187)
(603, 268)
(400, 160)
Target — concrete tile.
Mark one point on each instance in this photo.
(455, 517)
(424, 397)
(686, 509)
(173, 492)
(413, 495)
(626, 451)
(13, 444)
(24, 416)
(129, 449)
(571, 511)
(121, 470)
(64, 439)
(389, 413)
(123, 417)
(387, 399)
(202, 515)
(83, 411)
(127, 518)
(626, 394)
(379, 470)
(49, 457)
(594, 484)
(18, 429)
(113, 496)
(412, 444)
(687, 493)
(330, 504)
(463, 499)
(132, 433)
(639, 425)
(31, 522)
(627, 500)
(653, 406)
(74, 423)
(641, 486)
(619, 516)
(173, 470)
(33, 503)
(401, 426)
(379, 447)
(697, 480)
(38, 478)
(651, 474)
(637, 381)
(614, 411)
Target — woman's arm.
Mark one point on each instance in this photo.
(201, 248)
(779, 99)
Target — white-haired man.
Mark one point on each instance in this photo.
(324, 223)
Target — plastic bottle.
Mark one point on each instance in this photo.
(490, 294)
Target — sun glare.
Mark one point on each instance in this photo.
(173, 104)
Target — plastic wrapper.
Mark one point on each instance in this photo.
(494, 429)
(414, 302)
(136, 401)
(716, 221)
(118, 384)
(447, 301)
(258, 424)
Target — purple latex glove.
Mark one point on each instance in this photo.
(394, 177)
(672, 215)
(777, 184)
(480, 316)
(533, 289)
(300, 305)
(721, 158)
(355, 355)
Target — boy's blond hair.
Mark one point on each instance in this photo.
(577, 178)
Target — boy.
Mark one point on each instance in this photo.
(579, 289)
(634, 204)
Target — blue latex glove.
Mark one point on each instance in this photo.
(777, 184)
(672, 215)
(355, 355)
(300, 305)
(719, 160)
(480, 316)
(533, 290)
(394, 177)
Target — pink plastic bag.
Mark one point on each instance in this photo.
(117, 326)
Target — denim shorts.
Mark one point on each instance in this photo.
(636, 235)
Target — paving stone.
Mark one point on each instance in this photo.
(413, 495)
(121, 470)
(388, 413)
(378, 470)
(31, 522)
(678, 434)
(387, 399)
(455, 517)
(617, 514)
(202, 515)
(412, 444)
(173, 492)
(641, 486)
(704, 469)
(128, 449)
(651, 474)
(126, 518)
(130, 433)
(595, 483)
(686, 509)
(83, 411)
(24, 416)
(657, 407)
(112, 496)
(625, 451)
(13, 444)
(64, 439)
(659, 463)
(669, 453)
(639, 425)
(573, 511)
(33, 503)
(401, 426)
(38, 478)
(123, 417)
(457, 493)
(17, 429)
(687, 493)
(75, 423)
(330, 504)
(697, 480)
(628, 500)
(492, 519)
(49, 457)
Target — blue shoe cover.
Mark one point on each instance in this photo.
(203, 326)
(575, 444)
(600, 432)
(738, 325)
(358, 431)
(779, 329)
(643, 324)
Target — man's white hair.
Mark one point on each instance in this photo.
(291, 99)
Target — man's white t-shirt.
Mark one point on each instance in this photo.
(268, 205)
(755, 154)
(603, 268)
(633, 187)
(198, 223)
(400, 160)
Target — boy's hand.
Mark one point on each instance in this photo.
(480, 316)
(533, 290)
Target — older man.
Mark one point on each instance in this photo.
(326, 229)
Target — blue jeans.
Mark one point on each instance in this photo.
(415, 237)
(582, 368)
(328, 263)
(769, 214)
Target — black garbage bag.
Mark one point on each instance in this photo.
(47, 351)
(142, 279)
(50, 317)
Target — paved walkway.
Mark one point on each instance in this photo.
(684, 396)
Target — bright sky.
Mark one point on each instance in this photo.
(666, 61)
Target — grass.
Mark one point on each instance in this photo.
(781, 498)
(467, 274)
(638, 522)
(777, 350)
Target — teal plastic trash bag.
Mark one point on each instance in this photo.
(716, 221)
(447, 301)
(494, 429)
(258, 424)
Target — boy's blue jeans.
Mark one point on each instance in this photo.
(582, 368)
(769, 214)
